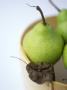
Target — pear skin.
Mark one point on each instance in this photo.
(62, 30)
(42, 44)
(65, 56)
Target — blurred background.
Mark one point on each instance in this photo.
(15, 16)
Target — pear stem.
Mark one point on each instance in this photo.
(54, 6)
(39, 9)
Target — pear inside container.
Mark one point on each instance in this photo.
(30, 85)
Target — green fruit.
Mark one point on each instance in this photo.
(42, 44)
(62, 16)
(62, 30)
(61, 22)
(65, 56)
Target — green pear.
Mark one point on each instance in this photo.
(62, 30)
(62, 16)
(41, 44)
(61, 22)
(65, 56)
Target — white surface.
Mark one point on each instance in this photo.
(15, 16)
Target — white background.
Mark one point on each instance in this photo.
(15, 16)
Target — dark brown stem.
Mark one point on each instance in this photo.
(39, 9)
(54, 6)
